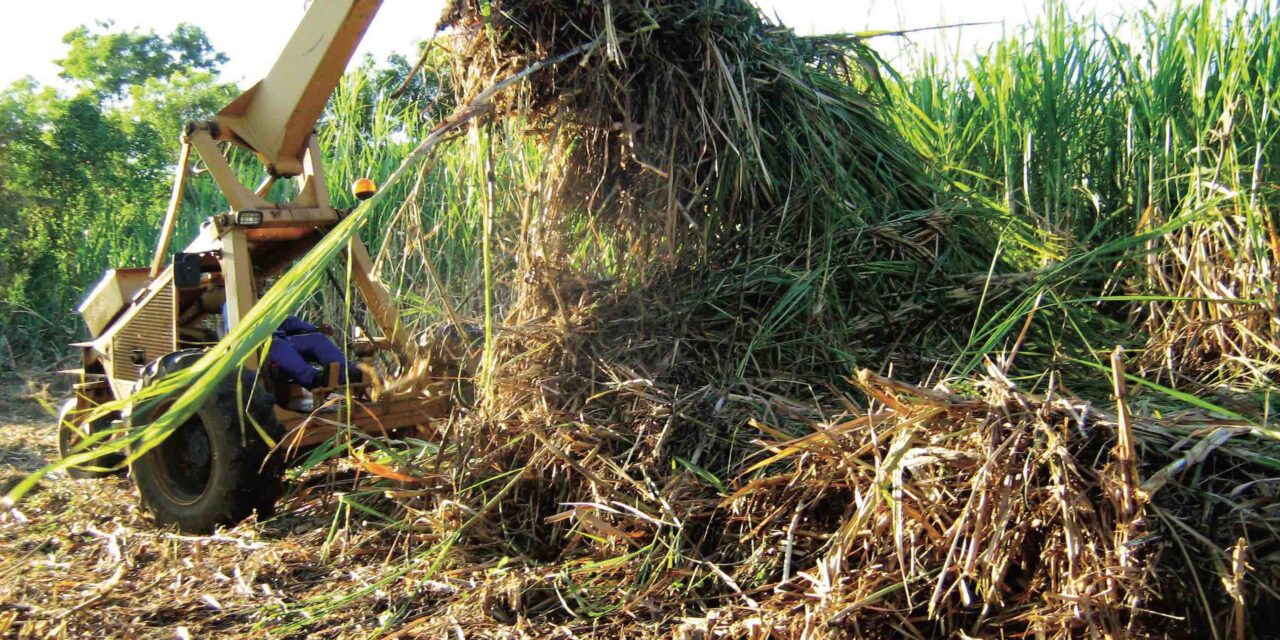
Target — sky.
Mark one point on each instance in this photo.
(252, 32)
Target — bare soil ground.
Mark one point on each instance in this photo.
(79, 558)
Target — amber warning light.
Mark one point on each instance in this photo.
(363, 189)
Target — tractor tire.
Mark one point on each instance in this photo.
(69, 436)
(213, 470)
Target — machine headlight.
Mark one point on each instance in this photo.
(249, 218)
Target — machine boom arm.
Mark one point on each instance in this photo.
(276, 116)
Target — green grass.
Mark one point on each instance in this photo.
(1130, 160)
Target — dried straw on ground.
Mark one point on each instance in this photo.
(660, 445)
(927, 514)
(663, 442)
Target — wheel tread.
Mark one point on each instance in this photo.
(247, 485)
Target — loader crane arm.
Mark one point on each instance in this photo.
(274, 119)
(148, 323)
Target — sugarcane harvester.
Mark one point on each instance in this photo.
(216, 469)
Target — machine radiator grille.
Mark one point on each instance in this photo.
(151, 329)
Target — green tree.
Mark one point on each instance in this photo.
(84, 174)
(108, 63)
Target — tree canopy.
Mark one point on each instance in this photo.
(84, 169)
(109, 62)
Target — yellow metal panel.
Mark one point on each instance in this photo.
(171, 214)
(111, 295)
(238, 195)
(237, 270)
(381, 306)
(279, 116)
(151, 327)
(304, 430)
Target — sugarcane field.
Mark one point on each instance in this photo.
(695, 319)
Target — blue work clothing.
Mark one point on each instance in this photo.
(297, 344)
(293, 325)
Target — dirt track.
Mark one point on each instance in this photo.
(78, 558)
